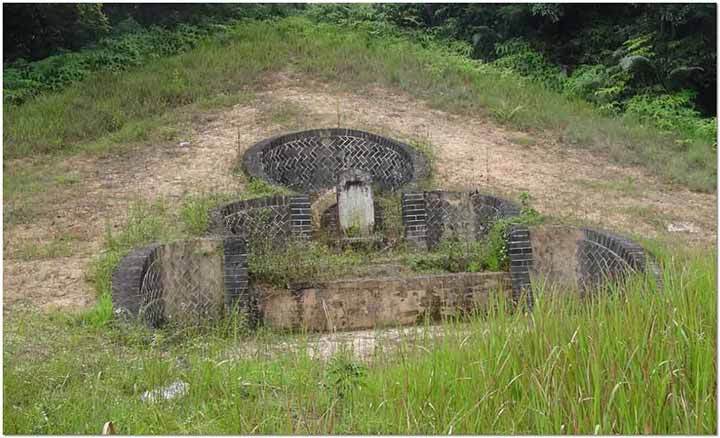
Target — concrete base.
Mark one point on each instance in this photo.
(372, 303)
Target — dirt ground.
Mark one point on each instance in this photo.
(470, 153)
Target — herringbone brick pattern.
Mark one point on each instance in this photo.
(446, 221)
(187, 282)
(606, 257)
(490, 209)
(194, 288)
(270, 223)
(151, 309)
(314, 162)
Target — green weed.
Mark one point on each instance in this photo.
(299, 261)
(61, 246)
(147, 223)
(356, 57)
(257, 187)
(633, 362)
(194, 211)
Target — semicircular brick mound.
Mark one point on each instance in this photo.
(567, 258)
(190, 281)
(312, 160)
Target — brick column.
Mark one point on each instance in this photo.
(521, 258)
(414, 216)
(300, 216)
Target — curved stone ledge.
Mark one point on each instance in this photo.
(186, 281)
(312, 160)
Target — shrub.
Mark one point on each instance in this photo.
(452, 255)
(26, 80)
(517, 55)
(297, 261)
(598, 84)
(673, 113)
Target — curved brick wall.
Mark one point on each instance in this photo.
(186, 282)
(127, 280)
(604, 256)
(197, 280)
(432, 216)
(273, 218)
(312, 160)
(570, 258)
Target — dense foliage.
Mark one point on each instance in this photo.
(115, 37)
(640, 66)
(33, 31)
(655, 63)
(607, 52)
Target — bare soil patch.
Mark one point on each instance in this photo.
(471, 153)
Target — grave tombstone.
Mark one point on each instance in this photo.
(356, 212)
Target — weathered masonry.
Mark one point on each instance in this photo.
(312, 160)
(335, 173)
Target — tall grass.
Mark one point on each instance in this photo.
(637, 361)
(355, 57)
(629, 364)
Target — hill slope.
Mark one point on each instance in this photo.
(48, 249)
(125, 105)
(144, 154)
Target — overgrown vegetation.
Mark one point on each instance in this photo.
(301, 262)
(659, 131)
(636, 362)
(627, 49)
(115, 37)
(632, 360)
(645, 64)
(456, 254)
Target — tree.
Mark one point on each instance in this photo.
(37, 30)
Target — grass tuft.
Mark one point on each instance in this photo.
(113, 108)
(635, 361)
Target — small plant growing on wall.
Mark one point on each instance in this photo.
(352, 231)
(458, 255)
(497, 257)
(528, 214)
